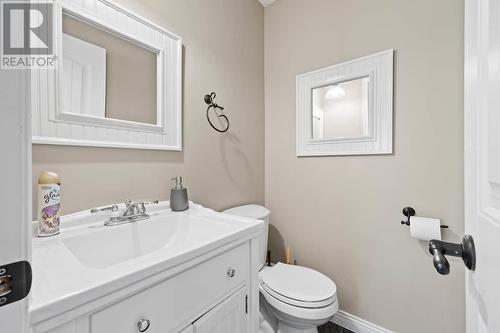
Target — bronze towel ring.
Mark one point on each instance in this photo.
(210, 100)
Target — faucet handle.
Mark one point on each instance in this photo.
(141, 206)
(112, 208)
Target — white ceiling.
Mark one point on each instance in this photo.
(266, 2)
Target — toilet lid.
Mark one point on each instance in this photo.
(251, 211)
(297, 283)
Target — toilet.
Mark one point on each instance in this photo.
(293, 299)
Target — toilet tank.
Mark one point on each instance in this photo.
(255, 212)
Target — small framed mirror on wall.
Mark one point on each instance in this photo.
(346, 109)
(117, 83)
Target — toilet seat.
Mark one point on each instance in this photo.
(299, 286)
(291, 311)
(298, 303)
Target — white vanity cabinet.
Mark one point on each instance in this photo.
(209, 297)
(204, 280)
(180, 299)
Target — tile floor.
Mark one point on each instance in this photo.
(332, 328)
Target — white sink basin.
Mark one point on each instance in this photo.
(88, 260)
(105, 246)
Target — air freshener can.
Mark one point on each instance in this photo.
(49, 204)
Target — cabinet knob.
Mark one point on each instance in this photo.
(143, 325)
(230, 272)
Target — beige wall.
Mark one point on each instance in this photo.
(341, 215)
(223, 52)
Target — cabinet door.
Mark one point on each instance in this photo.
(230, 316)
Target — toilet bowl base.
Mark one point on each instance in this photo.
(290, 324)
(284, 328)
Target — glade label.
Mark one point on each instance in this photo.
(51, 193)
(50, 198)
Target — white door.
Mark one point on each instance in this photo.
(15, 193)
(230, 316)
(482, 162)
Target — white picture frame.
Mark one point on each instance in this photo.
(51, 125)
(379, 68)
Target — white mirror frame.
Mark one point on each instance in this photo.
(52, 125)
(379, 68)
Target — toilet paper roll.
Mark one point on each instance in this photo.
(425, 228)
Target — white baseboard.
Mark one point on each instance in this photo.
(356, 324)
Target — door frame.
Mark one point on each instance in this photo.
(476, 26)
(16, 195)
(471, 82)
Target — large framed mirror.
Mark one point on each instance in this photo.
(117, 82)
(346, 109)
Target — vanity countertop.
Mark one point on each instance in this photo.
(88, 260)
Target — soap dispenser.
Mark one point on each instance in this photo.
(178, 196)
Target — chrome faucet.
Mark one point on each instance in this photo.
(134, 208)
(134, 211)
